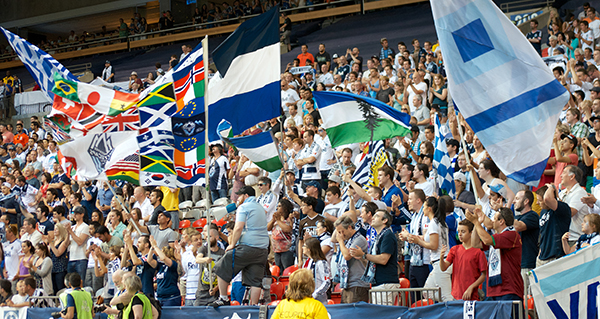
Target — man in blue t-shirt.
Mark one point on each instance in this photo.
(555, 219)
(248, 248)
(147, 269)
(535, 36)
(219, 167)
(88, 192)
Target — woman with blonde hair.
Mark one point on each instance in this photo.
(439, 96)
(140, 306)
(299, 302)
(58, 254)
(167, 275)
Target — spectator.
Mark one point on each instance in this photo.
(299, 301)
(350, 270)
(204, 295)
(58, 254)
(30, 233)
(590, 227)
(139, 306)
(41, 268)
(286, 28)
(251, 217)
(156, 198)
(527, 223)
(79, 235)
(471, 265)
(167, 276)
(308, 225)
(317, 263)
(162, 233)
(323, 57)
(305, 56)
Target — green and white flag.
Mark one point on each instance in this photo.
(350, 118)
(259, 148)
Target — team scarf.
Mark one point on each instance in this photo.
(369, 275)
(416, 257)
(343, 269)
(495, 264)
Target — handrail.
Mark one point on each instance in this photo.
(525, 4)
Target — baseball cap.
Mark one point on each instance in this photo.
(593, 118)
(335, 56)
(246, 190)
(11, 147)
(595, 89)
(166, 214)
(133, 73)
(313, 184)
(6, 184)
(106, 62)
(458, 176)
(289, 171)
(78, 210)
(335, 178)
(499, 189)
(570, 137)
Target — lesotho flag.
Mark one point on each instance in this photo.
(246, 89)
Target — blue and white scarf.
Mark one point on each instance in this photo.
(369, 275)
(495, 263)
(343, 269)
(416, 251)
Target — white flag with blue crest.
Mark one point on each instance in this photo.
(40, 64)
(500, 84)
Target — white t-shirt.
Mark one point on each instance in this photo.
(91, 241)
(595, 27)
(34, 238)
(192, 272)
(335, 210)
(427, 188)
(326, 78)
(411, 94)
(311, 171)
(435, 228)
(251, 180)
(146, 207)
(11, 258)
(77, 252)
(588, 36)
(573, 199)
(326, 153)
(288, 96)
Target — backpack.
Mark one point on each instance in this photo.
(156, 304)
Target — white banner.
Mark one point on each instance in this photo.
(13, 313)
(568, 287)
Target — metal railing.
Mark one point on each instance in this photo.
(25, 109)
(405, 296)
(525, 4)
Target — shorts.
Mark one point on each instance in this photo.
(285, 36)
(250, 260)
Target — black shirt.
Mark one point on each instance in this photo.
(322, 58)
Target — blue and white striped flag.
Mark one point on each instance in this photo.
(442, 163)
(500, 84)
(40, 64)
(246, 90)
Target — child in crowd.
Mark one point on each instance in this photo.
(21, 296)
(590, 228)
(319, 266)
(470, 265)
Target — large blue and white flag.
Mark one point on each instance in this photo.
(246, 90)
(568, 286)
(442, 163)
(40, 64)
(500, 84)
(259, 148)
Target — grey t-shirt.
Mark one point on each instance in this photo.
(162, 237)
(356, 268)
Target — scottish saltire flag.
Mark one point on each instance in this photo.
(247, 89)
(40, 64)
(500, 84)
(349, 118)
(157, 106)
(156, 158)
(442, 163)
(259, 148)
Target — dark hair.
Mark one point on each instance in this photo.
(53, 191)
(159, 195)
(576, 171)
(468, 223)
(507, 215)
(446, 204)
(44, 209)
(314, 246)
(491, 166)
(310, 201)
(327, 224)
(59, 210)
(30, 281)
(420, 194)
(387, 216)
(528, 195)
(78, 196)
(43, 247)
(534, 21)
(28, 244)
(265, 180)
(96, 225)
(424, 168)
(334, 190)
(101, 230)
(378, 191)
(387, 170)
(75, 279)
(287, 207)
(370, 207)
(6, 286)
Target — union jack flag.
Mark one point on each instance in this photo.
(126, 121)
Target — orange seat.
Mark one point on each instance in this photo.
(275, 271)
(200, 223)
(530, 303)
(336, 298)
(229, 290)
(289, 270)
(221, 222)
(330, 302)
(278, 289)
(422, 303)
(184, 224)
(235, 303)
(274, 302)
(404, 283)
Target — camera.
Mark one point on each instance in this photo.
(99, 308)
(58, 314)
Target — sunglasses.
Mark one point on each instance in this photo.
(260, 184)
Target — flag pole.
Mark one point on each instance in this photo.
(124, 208)
(206, 157)
(464, 147)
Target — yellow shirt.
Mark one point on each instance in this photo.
(170, 199)
(307, 308)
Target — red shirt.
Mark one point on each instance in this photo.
(468, 266)
(509, 243)
(303, 57)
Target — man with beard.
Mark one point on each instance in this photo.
(156, 197)
(527, 223)
(205, 295)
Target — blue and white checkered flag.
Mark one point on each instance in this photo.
(442, 163)
(40, 64)
(506, 93)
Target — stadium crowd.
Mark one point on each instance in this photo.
(79, 240)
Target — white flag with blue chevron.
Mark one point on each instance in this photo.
(40, 64)
(500, 84)
(442, 163)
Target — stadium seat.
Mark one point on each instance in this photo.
(278, 289)
(184, 224)
(235, 303)
(221, 222)
(289, 270)
(530, 303)
(199, 224)
(275, 271)
(422, 303)
(404, 283)
(330, 302)
(274, 302)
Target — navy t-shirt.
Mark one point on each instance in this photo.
(166, 280)
(90, 205)
(11, 203)
(60, 178)
(553, 224)
(147, 276)
(45, 227)
(388, 273)
(529, 238)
